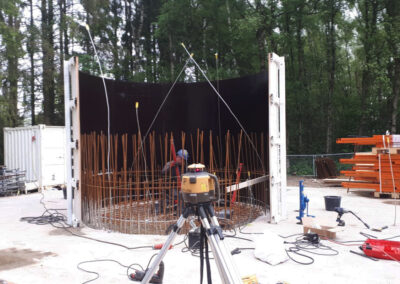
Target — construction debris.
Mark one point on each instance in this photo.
(11, 181)
(326, 168)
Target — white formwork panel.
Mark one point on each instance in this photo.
(277, 137)
(72, 141)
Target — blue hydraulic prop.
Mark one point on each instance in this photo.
(303, 203)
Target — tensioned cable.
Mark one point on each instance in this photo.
(159, 109)
(219, 107)
(144, 157)
(391, 171)
(227, 106)
(106, 94)
(140, 135)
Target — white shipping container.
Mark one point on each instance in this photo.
(38, 150)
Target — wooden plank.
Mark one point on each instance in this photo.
(370, 185)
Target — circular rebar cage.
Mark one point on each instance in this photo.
(133, 195)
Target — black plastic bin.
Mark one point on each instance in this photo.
(332, 201)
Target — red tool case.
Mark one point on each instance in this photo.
(383, 249)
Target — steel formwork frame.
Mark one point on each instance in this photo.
(72, 140)
(277, 139)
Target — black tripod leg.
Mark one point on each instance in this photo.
(202, 237)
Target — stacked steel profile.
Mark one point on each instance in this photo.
(378, 169)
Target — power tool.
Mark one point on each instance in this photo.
(383, 249)
(341, 211)
(156, 278)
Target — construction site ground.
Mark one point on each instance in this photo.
(43, 254)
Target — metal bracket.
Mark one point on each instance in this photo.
(275, 141)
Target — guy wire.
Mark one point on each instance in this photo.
(226, 104)
(140, 136)
(106, 94)
(219, 104)
(159, 109)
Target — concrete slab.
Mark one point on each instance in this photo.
(43, 254)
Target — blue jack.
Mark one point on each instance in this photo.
(303, 203)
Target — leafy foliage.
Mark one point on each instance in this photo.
(342, 56)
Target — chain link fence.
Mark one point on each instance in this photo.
(304, 165)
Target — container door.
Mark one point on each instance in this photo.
(53, 152)
(22, 151)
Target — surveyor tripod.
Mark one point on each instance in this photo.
(213, 231)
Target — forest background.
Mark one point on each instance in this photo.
(342, 56)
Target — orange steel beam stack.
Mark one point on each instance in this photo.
(378, 170)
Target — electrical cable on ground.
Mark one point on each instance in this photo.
(248, 233)
(58, 220)
(394, 237)
(357, 242)
(104, 260)
(239, 250)
(285, 237)
(302, 246)
(196, 252)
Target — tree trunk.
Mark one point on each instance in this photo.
(370, 20)
(228, 11)
(114, 39)
(48, 61)
(31, 52)
(62, 26)
(261, 48)
(171, 57)
(65, 30)
(393, 39)
(396, 91)
(204, 47)
(138, 33)
(331, 50)
(12, 74)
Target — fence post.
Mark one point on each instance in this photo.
(313, 165)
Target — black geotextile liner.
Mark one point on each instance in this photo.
(190, 106)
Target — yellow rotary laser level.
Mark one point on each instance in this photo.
(199, 189)
(199, 186)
